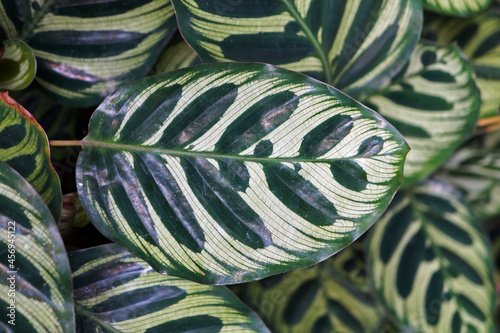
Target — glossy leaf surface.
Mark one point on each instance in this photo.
(434, 104)
(34, 268)
(86, 49)
(479, 38)
(356, 46)
(17, 65)
(225, 173)
(430, 263)
(314, 299)
(24, 146)
(118, 292)
(456, 7)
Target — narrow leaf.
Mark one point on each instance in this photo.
(117, 292)
(36, 293)
(226, 173)
(24, 146)
(356, 46)
(17, 65)
(430, 263)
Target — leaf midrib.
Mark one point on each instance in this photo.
(27, 31)
(324, 60)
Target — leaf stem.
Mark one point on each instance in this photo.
(487, 125)
(63, 143)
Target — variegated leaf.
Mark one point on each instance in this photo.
(86, 49)
(35, 293)
(356, 46)
(456, 7)
(117, 292)
(178, 54)
(17, 65)
(479, 38)
(313, 300)
(434, 104)
(24, 146)
(225, 173)
(430, 263)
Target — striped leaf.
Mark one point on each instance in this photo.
(178, 54)
(17, 65)
(86, 49)
(24, 146)
(479, 39)
(313, 300)
(430, 263)
(434, 104)
(356, 46)
(226, 173)
(34, 268)
(117, 292)
(456, 7)
(475, 170)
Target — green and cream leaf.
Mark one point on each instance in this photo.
(225, 173)
(459, 8)
(17, 65)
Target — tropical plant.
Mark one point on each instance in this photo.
(252, 148)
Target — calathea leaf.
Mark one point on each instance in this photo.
(313, 299)
(118, 292)
(356, 46)
(456, 7)
(24, 146)
(231, 172)
(17, 65)
(34, 270)
(178, 54)
(434, 103)
(86, 49)
(430, 263)
(478, 37)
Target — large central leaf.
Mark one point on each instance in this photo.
(225, 173)
(357, 46)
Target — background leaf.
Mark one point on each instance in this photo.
(17, 65)
(356, 46)
(178, 54)
(43, 293)
(430, 263)
(456, 7)
(24, 146)
(85, 50)
(226, 173)
(434, 103)
(117, 292)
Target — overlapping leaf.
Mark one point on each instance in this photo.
(225, 173)
(479, 38)
(85, 50)
(117, 292)
(430, 263)
(17, 65)
(178, 54)
(357, 46)
(434, 104)
(456, 7)
(24, 146)
(34, 268)
(313, 300)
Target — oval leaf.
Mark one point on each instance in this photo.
(24, 146)
(435, 105)
(117, 292)
(356, 46)
(17, 65)
(225, 173)
(430, 263)
(456, 7)
(478, 38)
(85, 50)
(34, 266)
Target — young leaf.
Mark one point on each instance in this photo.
(313, 300)
(478, 37)
(17, 65)
(356, 46)
(34, 268)
(85, 50)
(24, 146)
(117, 292)
(434, 104)
(430, 263)
(456, 7)
(225, 173)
